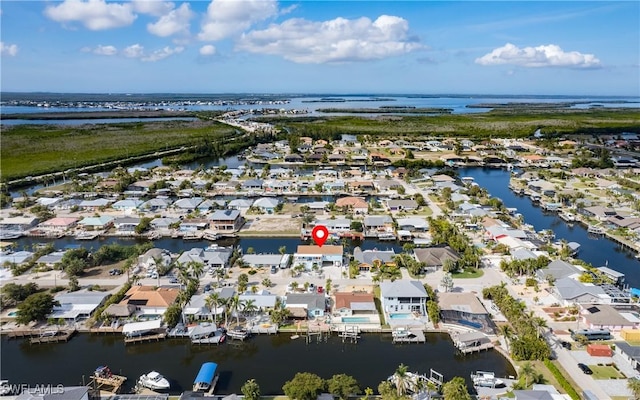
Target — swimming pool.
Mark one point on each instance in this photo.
(400, 316)
(13, 314)
(356, 320)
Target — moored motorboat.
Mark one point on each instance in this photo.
(486, 379)
(154, 381)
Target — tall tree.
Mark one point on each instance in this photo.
(250, 390)
(304, 386)
(343, 386)
(456, 389)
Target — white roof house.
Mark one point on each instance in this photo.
(77, 305)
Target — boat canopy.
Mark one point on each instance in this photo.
(206, 374)
(141, 327)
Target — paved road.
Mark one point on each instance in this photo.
(583, 381)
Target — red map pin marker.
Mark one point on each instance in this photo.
(320, 234)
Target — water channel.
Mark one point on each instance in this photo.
(272, 360)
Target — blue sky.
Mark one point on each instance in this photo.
(268, 46)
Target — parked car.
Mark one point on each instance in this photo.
(274, 269)
(207, 287)
(173, 280)
(585, 368)
(566, 345)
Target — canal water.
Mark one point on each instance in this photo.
(269, 359)
(594, 249)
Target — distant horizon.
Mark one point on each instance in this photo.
(315, 94)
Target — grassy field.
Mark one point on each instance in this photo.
(467, 274)
(35, 149)
(605, 372)
(493, 124)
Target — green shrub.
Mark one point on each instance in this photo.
(562, 380)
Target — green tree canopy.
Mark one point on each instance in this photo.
(250, 390)
(343, 386)
(18, 293)
(304, 386)
(36, 307)
(456, 389)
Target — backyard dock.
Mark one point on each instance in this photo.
(146, 338)
(476, 349)
(111, 384)
(413, 336)
(59, 336)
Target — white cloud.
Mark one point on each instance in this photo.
(133, 51)
(152, 7)
(337, 40)
(8, 49)
(162, 54)
(105, 50)
(176, 21)
(541, 56)
(207, 50)
(93, 14)
(225, 18)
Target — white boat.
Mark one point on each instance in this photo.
(567, 217)
(154, 381)
(486, 379)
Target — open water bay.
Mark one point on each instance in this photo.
(269, 359)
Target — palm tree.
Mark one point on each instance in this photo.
(507, 332)
(539, 324)
(266, 282)
(633, 384)
(527, 371)
(196, 269)
(249, 306)
(401, 380)
(225, 303)
(212, 302)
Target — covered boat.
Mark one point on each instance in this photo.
(207, 377)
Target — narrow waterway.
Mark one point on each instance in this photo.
(269, 359)
(594, 249)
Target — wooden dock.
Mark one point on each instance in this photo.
(111, 384)
(146, 338)
(60, 336)
(414, 336)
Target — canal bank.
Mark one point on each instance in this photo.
(269, 359)
(598, 250)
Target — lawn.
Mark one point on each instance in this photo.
(605, 372)
(468, 274)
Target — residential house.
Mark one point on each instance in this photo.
(241, 205)
(187, 205)
(306, 305)
(17, 224)
(126, 205)
(335, 226)
(59, 224)
(226, 220)
(97, 223)
(194, 224)
(266, 204)
(370, 258)
(94, 204)
(387, 184)
(377, 224)
(263, 301)
(150, 301)
(164, 223)
(317, 207)
(401, 205)
(403, 298)
(76, 306)
(557, 269)
(413, 224)
(155, 204)
(126, 225)
(266, 260)
(51, 259)
(17, 257)
(313, 255)
(152, 257)
(598, 212)
(252, 184)
(465, 309)
(211, 257)
(605, 316)
(356, 204)
(336, 186)
(568, 291)
(348, 304)
(629, 352)
(436, 257)
(293, 158)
